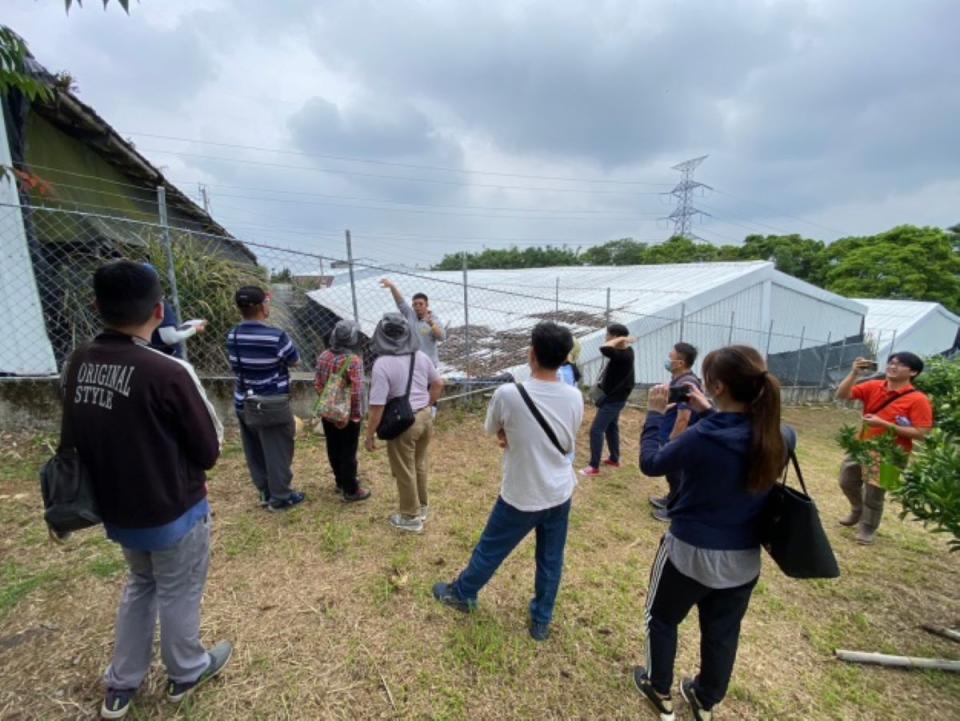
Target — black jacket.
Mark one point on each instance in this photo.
(618, 377)
(143, 427)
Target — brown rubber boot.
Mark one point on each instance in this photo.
(851, 483)
(872, 513)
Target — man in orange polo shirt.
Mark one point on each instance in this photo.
(889, 404)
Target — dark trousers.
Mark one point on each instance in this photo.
(670, 597)
(506, 527)
(342, 453)
(606, 423)
(269, 454)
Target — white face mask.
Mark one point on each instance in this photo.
(668, 364)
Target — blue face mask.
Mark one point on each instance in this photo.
(668, 364)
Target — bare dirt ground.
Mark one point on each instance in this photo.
(331, 613)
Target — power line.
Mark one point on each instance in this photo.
(408, 179)
(781, 214)
(415, 166)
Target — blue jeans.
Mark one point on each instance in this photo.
(506, 527)
(606, 423)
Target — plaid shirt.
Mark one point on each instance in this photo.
(329, 363)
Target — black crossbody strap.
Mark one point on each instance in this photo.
(413, 362)
(67, 441)
(889, 401)
(540, 419)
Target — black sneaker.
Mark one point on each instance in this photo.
(443, 592)
(688, 690)
(294, 499)
(362, 494)
(660, 502)
(662, 704)
(117, 702)
(264, 498)
(661, 514)
(539, 631)
(219, 655)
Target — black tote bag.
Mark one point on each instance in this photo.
(793, 534)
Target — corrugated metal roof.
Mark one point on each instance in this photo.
(506, 299)
(899, 315)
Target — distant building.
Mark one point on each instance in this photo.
(920, 327)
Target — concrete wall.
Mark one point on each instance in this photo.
(34, 403)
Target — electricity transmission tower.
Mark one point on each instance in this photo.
(682, 215)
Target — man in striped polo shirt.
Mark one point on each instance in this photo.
(261, 356)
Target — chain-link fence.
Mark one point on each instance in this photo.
(50, 255)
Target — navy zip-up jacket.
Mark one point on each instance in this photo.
(712, 508)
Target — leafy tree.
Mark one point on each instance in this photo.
(532, 257)
(281, 276)
(625, 251)
(13, 72)
(800, 257)
(905, 262)
(679, 249)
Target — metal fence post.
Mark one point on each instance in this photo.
(796, 375)
(168, 249)
(683, 313)
(558, 294)
(730, 334)
(893, 343)
(466, 320)
(353, 284)
(826, 361)
(766, 354)
(607, 314)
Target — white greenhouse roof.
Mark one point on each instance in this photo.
(506, 299)
(923, 327)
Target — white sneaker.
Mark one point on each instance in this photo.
(424, 512)
(403, 523)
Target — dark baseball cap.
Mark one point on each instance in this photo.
(250, 295)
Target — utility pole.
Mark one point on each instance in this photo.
(683, 191)
(206, 198)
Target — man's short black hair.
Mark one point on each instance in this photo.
(421, 296)
(910, 360)
(618, 330)
(687, 353)
(551, 343)
(126, 292)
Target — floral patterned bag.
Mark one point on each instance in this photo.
(333, 404)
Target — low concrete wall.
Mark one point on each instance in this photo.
(34, 403)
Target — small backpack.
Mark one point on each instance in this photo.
(69, 501)
(333, 404)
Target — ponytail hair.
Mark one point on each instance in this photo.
(744, 373)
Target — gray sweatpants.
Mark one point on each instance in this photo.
(169, 582)
(269, 455)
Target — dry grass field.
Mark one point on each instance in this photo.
(332, 617)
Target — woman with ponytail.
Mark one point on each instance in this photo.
(710, 556)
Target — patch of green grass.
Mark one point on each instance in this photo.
(483, 644)
(844, 685)
(335, 536)
(17, 582)
(242, 536)
(107, 566)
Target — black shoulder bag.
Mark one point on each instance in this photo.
(398, 414)
(69, 501)
(540, 419)
(261, 411)
(793, 534)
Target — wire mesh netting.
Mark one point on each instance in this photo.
(50, 254)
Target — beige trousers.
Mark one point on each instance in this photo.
(409, 455)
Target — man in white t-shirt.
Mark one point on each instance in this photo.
(538, 479)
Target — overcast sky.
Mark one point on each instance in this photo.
(439, 126)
